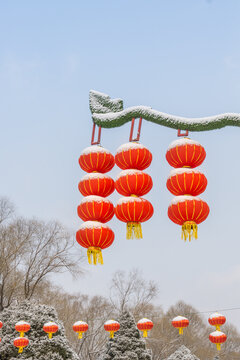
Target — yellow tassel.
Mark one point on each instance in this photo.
(180, 331)
(80, 335)
(145, 333)
(22, 334)
(20, 350)
(50, 335)
(189, 230)
(218, 347)
(94, 255)
(134, 230)
(111, 334)
(218, 328)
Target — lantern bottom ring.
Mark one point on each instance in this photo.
(189, 230)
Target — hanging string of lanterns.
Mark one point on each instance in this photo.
(111, 326)
(180, 323)
(20, 342)
(95, 210)
(80, 327)
(186, 183)
(145, 325)
(133, 183)
(217, 337)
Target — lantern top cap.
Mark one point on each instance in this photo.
(94, 198)
(144, 320)
(128, 199)
(216, 315)
(179, 318)
(80, 323)
(94, 149)
(183, 198)
(93, 225)
(50, 323)
(95, 175)
(179, 171)
(217, 333)
(22, 323)
(109, 322)
(130, 146)
(182, 142)
(129, 172)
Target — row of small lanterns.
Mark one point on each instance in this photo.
(186, 209)
(217, 337)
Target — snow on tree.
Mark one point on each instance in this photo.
(127, 343)
(183, 353)
(40, 346)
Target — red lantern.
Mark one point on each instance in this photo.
(133, 156)
(133, 210)
(50, 328)
(145, 325)
(217, 320)
(80, 327)
(188, 211)
(218, 338)
(133, 182)
(185, 153)
(185, 181)
(95, 208)
(111, 326)
(96, 158)
(20, 343)
(96, 184)
(94, 236)
(22, 327)
(180, 322)
(1, 324)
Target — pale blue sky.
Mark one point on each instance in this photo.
(180, 57)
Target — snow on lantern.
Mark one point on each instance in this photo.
(96, 159)
(96, 184)
(184, 182)
(133, 156)
(50, 328)
(218, 338)
(185, 152)
(180, 322)
(94, 236)
(22, 327)
(133, 211)
(145, 325)
(80, 327)
(111, 326)
(95, 208)
(132, 182)
(188, 211)
(20, 343)
(217, 320)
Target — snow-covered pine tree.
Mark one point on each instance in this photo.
(183, 353)
(40, 347)
(127, 343)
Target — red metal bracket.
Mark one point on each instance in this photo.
(182, 134)
(97, 142)
(132, 129)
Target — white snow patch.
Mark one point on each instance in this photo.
(50, 323)
(182, 198)
(217, 333)
(110, 322)
(127, 199)
(22, 323)
(130, 146)
(215, 315)
(183, 141)
(180, 171)
(129, 172)
(95, 149)
(77, 323)
(95, 175)
(179, 318)
(92, 225)
(95, 198)
(143, 321)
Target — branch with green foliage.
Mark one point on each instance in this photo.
(109, 113)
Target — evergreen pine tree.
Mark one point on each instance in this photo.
(127, 343)
(40, 346)
(183, 353)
